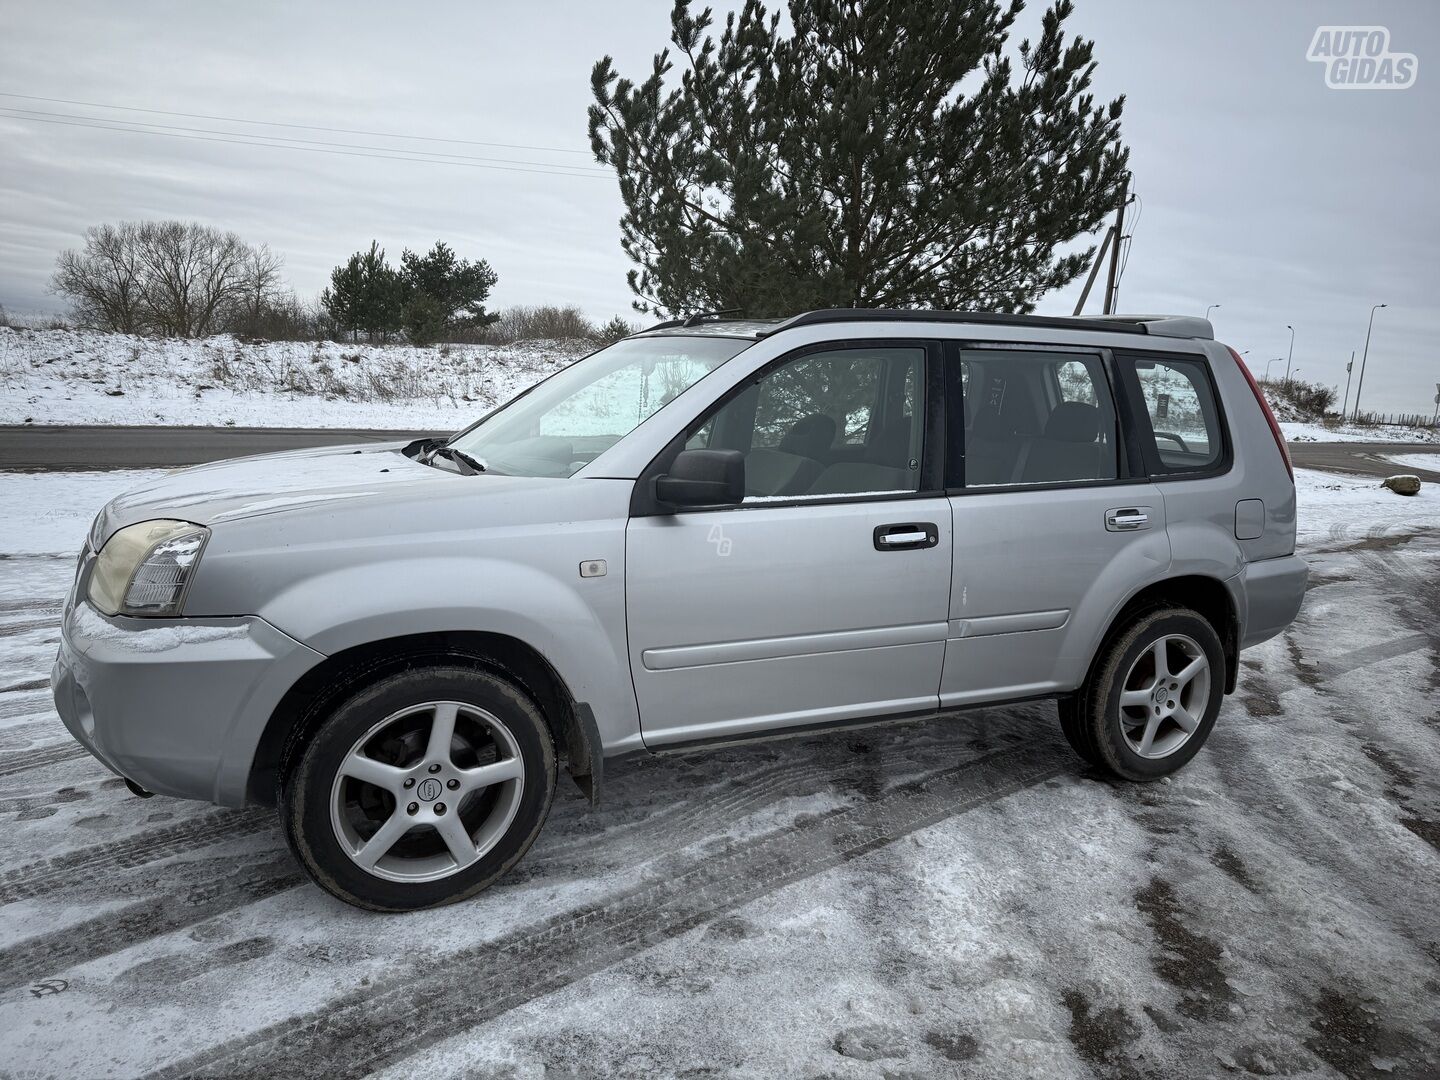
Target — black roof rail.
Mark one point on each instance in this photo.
(692, 320)
(995, 318)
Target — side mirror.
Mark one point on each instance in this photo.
(703, 478)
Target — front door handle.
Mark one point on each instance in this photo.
(906, 535)
(1127, 519)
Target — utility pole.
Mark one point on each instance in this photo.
(1365, 356)
(1112, 280)
(1094, 270)
(1348, 366)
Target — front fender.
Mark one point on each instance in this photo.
(577, 625)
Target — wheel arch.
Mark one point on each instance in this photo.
(315, 694)
(1208, 596)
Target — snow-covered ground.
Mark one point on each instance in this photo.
(948, 897)
(1337, 432)
(87, 377)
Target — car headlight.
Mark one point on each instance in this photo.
(144, 569)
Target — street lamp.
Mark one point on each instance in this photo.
(1292, 351)
(1361, 384)
(1267, 367)
(1209, 309)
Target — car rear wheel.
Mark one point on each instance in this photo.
(1152, 698)
(421, 789)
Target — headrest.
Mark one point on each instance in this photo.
(811, 436)
(1073, 421)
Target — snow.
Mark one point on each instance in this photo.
(1430, 462)
(1337, 432)
(954, 896)
(89, 377)
(157, 638)
(1327, 500)
(50, 513)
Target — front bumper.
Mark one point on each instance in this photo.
(176, 705)
(1274, 589)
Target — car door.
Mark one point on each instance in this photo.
(823, 596)
(1056, 524)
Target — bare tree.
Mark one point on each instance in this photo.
(104, 281)
(192, 273)
(165, 277)
(261, 294)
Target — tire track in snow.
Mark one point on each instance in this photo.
(81, 867)
(220, 886)
(365, 1030)
(25, 760)
(136, 923)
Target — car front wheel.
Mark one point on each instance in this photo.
(1152, 698)
(421, 789)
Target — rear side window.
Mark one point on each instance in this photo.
(1184, 423)
(1041, 417)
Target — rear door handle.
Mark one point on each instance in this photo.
(906, 535)
(1127, 519)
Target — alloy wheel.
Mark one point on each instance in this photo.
(1164, 696)
(427, 791)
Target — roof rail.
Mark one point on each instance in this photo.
(995, 318)
(1181, 326)
(693, 320)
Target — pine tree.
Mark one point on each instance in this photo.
(444, 294)
(879, 155)
(366, 295)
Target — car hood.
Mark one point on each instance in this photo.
(275, 483)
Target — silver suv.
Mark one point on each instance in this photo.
(712, 530)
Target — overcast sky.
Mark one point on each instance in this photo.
(1261, 190)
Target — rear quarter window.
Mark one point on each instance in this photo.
(1184, 433)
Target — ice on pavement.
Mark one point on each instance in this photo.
(1429, 462)
(946, 897)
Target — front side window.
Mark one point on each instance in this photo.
(1035, 418)
(567, 421)
(842, 422)
(1183, 419)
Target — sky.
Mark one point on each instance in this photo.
(1260, 189)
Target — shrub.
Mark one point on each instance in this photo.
(544, 323)
(1307, 399)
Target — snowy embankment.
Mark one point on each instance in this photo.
(88, 377)
(1307, 431)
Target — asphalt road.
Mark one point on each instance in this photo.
(32, 447)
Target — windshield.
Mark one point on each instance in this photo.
(568, 420)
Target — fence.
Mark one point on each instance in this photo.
(1368, 419)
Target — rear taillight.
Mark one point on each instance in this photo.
(1269, 416)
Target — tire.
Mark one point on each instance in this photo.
(380, 768)
(1134, 725)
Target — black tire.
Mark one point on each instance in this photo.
(306, 789)
(1091, 720)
